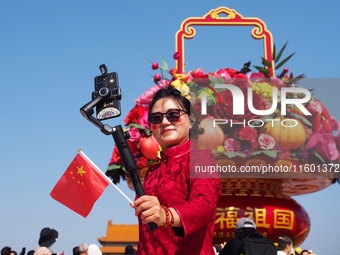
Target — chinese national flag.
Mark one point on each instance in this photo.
(80, 186)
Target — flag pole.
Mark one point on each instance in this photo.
(106, 177)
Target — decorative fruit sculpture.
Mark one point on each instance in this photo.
(287, 136)
(213, 135)
(157, 77)
(154, 66)
(149, 147)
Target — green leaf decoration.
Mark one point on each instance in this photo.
(274, 51)
(299, 117)
(296, 79)
(231, 154)
(215, 80)
(137, 126)
(256, 153)
(211, 94)
(277, 58)
(262, 70)
(164, 65)
(269, 153)
(147, 132)
(115, 167)
(284, 61)
(266, 62)
(148, 60)
(272, 154)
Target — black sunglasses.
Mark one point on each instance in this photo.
(171, 115)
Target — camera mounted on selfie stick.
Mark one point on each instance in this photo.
(106, 99)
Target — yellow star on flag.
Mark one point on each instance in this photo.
(81, 171)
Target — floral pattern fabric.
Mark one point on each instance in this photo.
(194, 199)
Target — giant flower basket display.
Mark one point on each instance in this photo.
(271, 138)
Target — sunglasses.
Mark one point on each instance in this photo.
(171, 115)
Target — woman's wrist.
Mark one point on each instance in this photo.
(169, 217)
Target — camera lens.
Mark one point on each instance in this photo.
(104, 91)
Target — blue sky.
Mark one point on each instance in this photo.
(49, 53)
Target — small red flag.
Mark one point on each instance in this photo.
(80, 186)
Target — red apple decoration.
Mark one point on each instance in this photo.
(149, 147)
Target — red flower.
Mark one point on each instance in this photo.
(115, 158)
(135, 115)
(230, 71)
(142, 162)
(198, 76)
(247, 133)
(199, 73)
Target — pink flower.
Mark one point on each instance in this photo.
(147, 96)
(144, 120)
(257, 77)
(323, 143)
(276, 82)
(134, 134)
(232, 144)
(266, 142)
(248, 134)
(335, 124)
(314, 107)
(222, 73)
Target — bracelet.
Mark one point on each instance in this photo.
(169, 217)
(172, 221)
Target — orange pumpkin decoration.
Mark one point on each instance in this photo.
(287, 136)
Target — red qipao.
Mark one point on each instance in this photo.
(194, 199)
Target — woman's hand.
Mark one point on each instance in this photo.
(149, 209)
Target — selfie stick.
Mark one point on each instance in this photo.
(120, 137)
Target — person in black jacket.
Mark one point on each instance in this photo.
(244, 227)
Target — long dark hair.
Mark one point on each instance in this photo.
(186, 105)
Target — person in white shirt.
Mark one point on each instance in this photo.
(285, 245)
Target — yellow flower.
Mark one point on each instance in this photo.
(263, 88)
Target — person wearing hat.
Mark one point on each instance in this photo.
(244, 227)
(47, 237)
(83, 248)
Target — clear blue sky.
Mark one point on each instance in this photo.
(49, 53)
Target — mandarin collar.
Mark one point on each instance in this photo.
(177, 150)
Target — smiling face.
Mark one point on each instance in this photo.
(167, 133)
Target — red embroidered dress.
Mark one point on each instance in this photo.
(194, 199)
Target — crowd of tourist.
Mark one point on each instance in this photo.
(244, 227)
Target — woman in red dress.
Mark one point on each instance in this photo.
(180, 201)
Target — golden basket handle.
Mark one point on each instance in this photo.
(213, 19)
